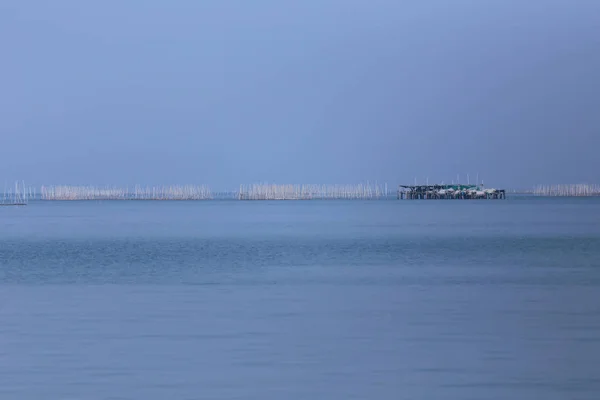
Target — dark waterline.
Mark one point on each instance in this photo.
(295, 300)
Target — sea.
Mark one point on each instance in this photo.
(434, 299)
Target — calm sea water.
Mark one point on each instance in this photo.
(301, 300)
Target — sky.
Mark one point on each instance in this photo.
(315, 91)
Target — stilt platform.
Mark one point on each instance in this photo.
(448, 192)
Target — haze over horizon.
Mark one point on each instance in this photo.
(224, 93)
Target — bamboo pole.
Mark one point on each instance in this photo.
(567, 190)
(172, 192)
(265, 191)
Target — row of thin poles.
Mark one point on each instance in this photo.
(266, 191)
(574, 190)
(17, 193)
(172, 192)
(21, 194)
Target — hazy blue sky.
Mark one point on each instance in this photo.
(228, 92)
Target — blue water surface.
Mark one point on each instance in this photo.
(301, 300)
